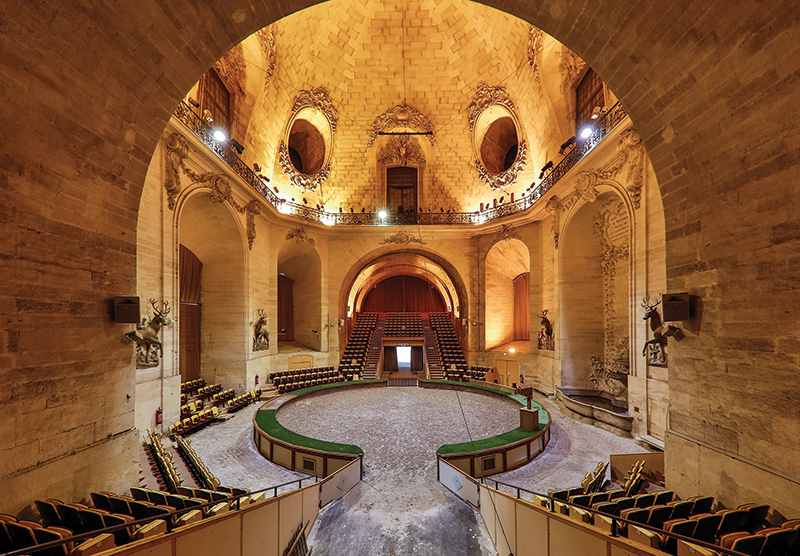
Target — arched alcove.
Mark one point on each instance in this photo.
(210, 231)
(506, 262)
(595, 271)
(403, 293)
(300, 265)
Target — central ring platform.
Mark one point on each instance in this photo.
(398, 424)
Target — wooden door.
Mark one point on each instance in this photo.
(190, 341)
(285, 308)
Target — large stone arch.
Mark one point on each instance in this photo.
(79, 134)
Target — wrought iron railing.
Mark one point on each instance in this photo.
(202, 130)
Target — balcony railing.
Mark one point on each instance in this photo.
(202, 130)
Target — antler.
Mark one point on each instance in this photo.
(646, 303)
(164, 308)
(261, 313)
(544, 314)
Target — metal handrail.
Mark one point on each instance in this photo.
(76, 539)
(202, 130)
(615, 520)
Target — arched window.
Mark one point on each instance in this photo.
(588, 95)
(215, 97)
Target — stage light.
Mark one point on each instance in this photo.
(382, 214)
(567, 144)
(596, 112)
(235, 145)
(512, 350)
(586, 132)
(546, 167)
(219, 135)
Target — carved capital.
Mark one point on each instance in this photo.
(535, 47)
(586, 186)
(266, 38)
(505, 233)
(570, 67)
(252, 209)
(177, 151)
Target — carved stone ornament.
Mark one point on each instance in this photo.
(402, 238)
(266, 38)
(220, 190)
(555, 207)
(177, 151)
(260, 332)
(508, 178)
(632, 152)
(535, 47)
(232, 67)
(401, 116)
(486, 96)
(569, 67)
(505, 233)
(402, 150)
(586, 186)
(546, 336)
(148, 346)
(301, 235)
(319, 99)
(298, 178)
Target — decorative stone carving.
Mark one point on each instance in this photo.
(177, 151)
(299, 179)
(535, 46)
(632, 151)
(610, 377)
(232, 67)
(260, 332)
(402, 150)
(586, 185)
(505, 233)
(402, 238)
(401, 116)
(486, 96)
(555, 207)
(569, 67)
(266, 38)
(148, 346)
(252, 209)
(319, 99)
(301, 235)
(546, 337)
(509, 177)
(220, 190)
(608, 220)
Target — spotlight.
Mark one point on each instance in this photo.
(235, 145)
(382, 214)
(219, 135)
(597, 112)
(567, 144)
(546, 168)
(512, 350)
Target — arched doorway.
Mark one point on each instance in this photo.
(299, 295)
(211, 234)
(508, 266)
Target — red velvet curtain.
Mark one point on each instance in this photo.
(417, 361)
(390, 359)
(403, 294)
(285, 309)
(522, 311)
(189, 270)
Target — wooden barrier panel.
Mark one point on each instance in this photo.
(459, 482)
(339, 483)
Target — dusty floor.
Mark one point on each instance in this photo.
(400, 508)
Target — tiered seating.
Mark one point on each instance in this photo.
(194, 422)
(465, 375)
(743, 529)
(355, 354)
(289, 381)
(163, 461)
(408, 325)
(204, 477)
(449, 348)
(192, 407)
(223, 397)
(206, 392)
(192, 386)
(239, 402)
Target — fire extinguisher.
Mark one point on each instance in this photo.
(256, 380)
(159, 416)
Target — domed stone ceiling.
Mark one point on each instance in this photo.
(374, 55)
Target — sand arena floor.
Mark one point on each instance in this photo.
(400, 508)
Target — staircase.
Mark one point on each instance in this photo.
(374, 350)
(431, 351)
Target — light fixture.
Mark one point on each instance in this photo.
(586, 132)
(596, 112)
(546, 168)
(235, 145)
(567, 144)
(512, 350)
(382, 214)
(219, 135)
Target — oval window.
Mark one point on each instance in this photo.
(499, 141)
(308, 141)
